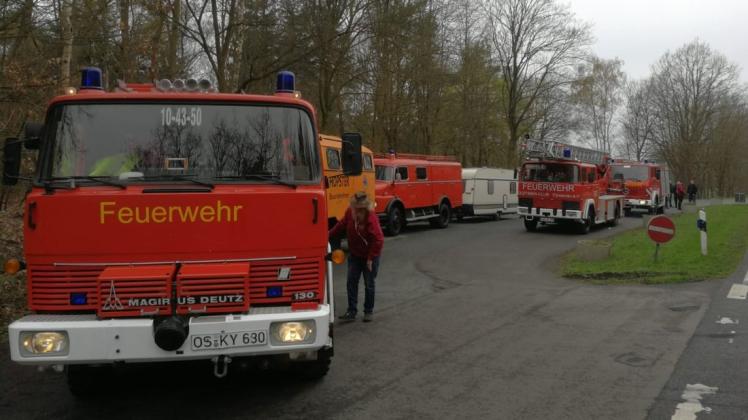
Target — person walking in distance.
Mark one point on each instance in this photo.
(365, 241)
(671, 196)
(680, 192)
(692, 190)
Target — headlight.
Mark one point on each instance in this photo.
(296, 332)
(642, 201)
(44, 343)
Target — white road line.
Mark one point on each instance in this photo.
(691, 406)
(724, 321)
(738, 291)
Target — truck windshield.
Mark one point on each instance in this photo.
(384, 173)
(550, 172)
(142, 142)
(631, 172)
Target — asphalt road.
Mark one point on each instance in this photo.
(471, 322)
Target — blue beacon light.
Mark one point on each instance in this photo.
(91, 78)
(286, 82)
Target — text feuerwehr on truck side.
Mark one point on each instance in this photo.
(168, 222)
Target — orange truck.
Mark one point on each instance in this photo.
(340, 187)
(647, 185)
(561, 183)
(167, 222)
(412, 188)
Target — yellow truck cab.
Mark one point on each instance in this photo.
(340, 187)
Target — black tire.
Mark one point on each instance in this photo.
(317, 369)
(585, 227)
(395, 221)
(445, 213)
(531, 225)
(86, 381)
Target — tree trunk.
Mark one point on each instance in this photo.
(66, 30)
(124, 28)
(174, 34)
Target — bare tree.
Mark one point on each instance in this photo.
(66, 32)
(597, 92)
(535, 42)
(638, 121)
(691, 88)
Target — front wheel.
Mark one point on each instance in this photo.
(585, 227)
(395, 221)
(316, 369)
(445, 213)
(617, 214)
(531, 225)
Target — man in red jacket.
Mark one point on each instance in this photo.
(365, 241)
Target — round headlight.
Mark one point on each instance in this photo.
(45, 342)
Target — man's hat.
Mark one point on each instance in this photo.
(360, 200)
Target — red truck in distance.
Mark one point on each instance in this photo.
(647, 185)
(561, 183)
(412, 188)
(169, 222)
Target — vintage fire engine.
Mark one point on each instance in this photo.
(565, 183)
(168, 222)
(647, 185)
(413, 188)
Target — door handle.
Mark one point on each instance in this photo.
(32, 212)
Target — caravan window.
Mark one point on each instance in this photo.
(490, 187)
(512, 187)
(333, 159)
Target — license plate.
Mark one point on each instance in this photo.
(546, 219)
(228, 340)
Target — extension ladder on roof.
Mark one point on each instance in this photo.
(549, 149)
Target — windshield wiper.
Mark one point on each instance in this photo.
(100, 179)
(187, 178)
(270, 178)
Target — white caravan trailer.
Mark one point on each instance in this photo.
(489, 192)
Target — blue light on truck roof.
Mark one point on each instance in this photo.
(91, 78)
(567, 152)
(286, 82)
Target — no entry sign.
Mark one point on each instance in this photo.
(661, 229)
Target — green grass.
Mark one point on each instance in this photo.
(680, 260)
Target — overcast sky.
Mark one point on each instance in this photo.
(640, 31)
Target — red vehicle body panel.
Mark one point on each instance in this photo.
(443, 180)
(231, 240)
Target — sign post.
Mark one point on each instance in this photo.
(660, 229)
(701, 225)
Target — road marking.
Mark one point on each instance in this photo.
(738, 291)
(661, 230)
(725, 321)
(691, 405)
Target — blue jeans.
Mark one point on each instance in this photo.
(357, 267)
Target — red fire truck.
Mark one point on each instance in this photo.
(411, 188)
(168, 222)
(647, 185)
(565, 183)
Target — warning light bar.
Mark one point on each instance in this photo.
(91, 78)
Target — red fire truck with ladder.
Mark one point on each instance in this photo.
(564, 183)
(169, 222)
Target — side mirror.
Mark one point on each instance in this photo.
(32, 134)
(11, 161)
(352, 158)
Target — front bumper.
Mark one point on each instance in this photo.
(551, 213)
(94, 341)
(637, 204)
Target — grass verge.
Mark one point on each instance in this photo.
(680, 260)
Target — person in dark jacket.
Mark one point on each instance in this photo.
(365, 241)
(671, 196)
(692, 190)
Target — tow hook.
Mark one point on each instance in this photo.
(221, 366)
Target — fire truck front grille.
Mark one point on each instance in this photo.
(135, 291)
(213, 288)
(63, 289)
(285, 281)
